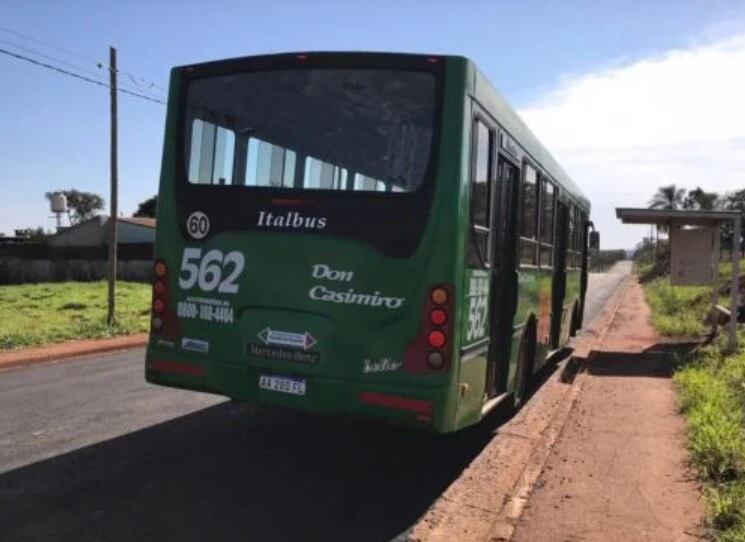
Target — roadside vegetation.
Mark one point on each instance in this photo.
(678, 311)
(711, 382)
(711, 393)
(710, 390)
(38, 314)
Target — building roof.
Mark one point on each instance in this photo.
(683, 217)
(140, 221)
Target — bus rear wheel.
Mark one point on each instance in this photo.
(525, 363)
(574, 328)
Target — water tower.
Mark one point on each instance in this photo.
(58, 203)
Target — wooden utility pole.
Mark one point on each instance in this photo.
(114, 203)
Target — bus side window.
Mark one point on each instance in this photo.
(547, 222)
(212, 152)
(571, 238)
(268, 164)
(324, 175)
(576, 237)
(481, 174)
(529, 222)
(580, 237)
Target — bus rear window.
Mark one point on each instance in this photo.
(311, 129)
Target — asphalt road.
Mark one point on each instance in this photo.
(89, 451)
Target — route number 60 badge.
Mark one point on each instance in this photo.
(198, 225)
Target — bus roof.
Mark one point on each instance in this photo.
(488, 96)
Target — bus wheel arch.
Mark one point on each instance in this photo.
(525, 361)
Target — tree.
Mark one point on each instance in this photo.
(732, 201)
(667, 197)
(84, 205)
(147, 208)
(699, 200)
(32, 234)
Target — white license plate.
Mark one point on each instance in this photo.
(282, 384)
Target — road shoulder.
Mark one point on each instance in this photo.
(619, 470)
(486, 501)
(68, 350)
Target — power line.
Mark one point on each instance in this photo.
(77, 75)
(98, 63)
(45, 44)
(60, 61)
(142, 81)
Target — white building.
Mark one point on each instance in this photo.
(94, 232)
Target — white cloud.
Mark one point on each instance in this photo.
(622, 132)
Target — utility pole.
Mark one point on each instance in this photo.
(114, 203)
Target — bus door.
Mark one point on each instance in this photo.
(503, 246)
(560, 272)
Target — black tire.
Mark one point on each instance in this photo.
(525, 363)
(574, 328)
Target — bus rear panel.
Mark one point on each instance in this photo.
(299, 259)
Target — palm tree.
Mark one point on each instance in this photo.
(668, 197)
(698, 199)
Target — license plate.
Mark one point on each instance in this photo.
(282, 384)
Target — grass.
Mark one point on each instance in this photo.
(711, 392)
(678, 311)
(38, 314)
(712, 397)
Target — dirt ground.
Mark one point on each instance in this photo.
(618, 470)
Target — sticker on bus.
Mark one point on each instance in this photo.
(380, 365)
(478, 305)
(207, 310)
(196, 345)
(287, 338)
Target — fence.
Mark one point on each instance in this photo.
(38, 262)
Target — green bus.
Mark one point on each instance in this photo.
(360, 234)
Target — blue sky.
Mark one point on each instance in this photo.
(541, 55)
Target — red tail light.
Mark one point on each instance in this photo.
(429, 352)
(160, 288)
(438, 317)
(436, 339)
(158, 306)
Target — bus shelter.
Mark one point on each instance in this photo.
(694, 250)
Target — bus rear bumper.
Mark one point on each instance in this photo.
(421, 407)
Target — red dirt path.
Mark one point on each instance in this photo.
(618, 471)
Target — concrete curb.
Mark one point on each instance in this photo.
(67, 350)
(486, 501)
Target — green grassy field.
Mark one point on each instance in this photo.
(711, 392)
(37, 314)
